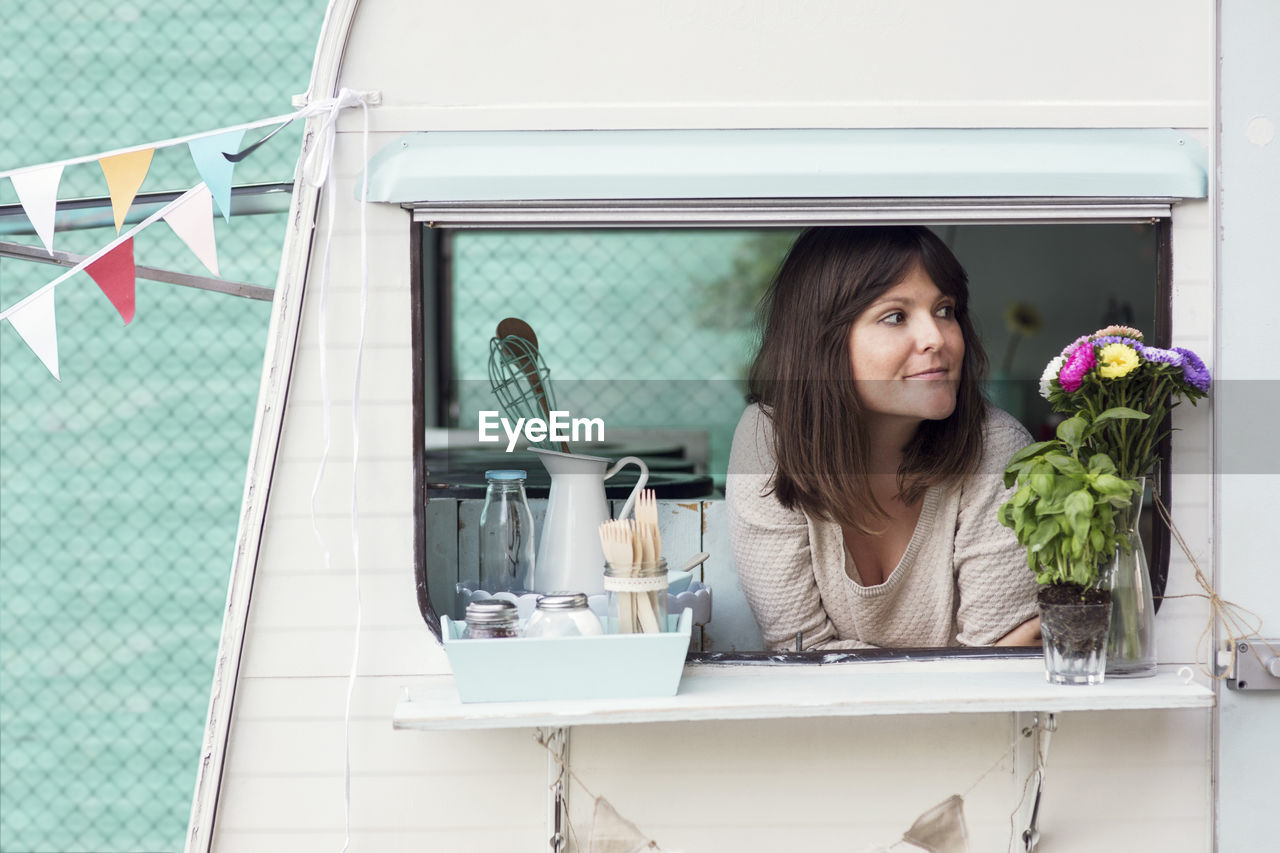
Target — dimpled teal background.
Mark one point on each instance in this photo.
(120, 485)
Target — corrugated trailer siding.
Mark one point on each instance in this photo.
(283, 788)
(918, 63)
(1182, 620)
(741, 786)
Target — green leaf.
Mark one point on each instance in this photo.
(1041, 479)
(1079, 509)
(1072, 431)
(1110, 485)
(1121, 413)
(1100, 463)
(1046, 530)
(1066, 465)
(1027, 452)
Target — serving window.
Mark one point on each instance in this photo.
(651, 327)
(638, 258)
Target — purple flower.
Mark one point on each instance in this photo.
(1160, 356)
(1193, 370)
(1079, 362)
(1116, 339)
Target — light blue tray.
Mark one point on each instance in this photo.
(611, 666)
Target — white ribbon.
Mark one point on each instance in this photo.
(650, 584)
(316, 169)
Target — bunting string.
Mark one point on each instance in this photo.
(190, 215)
(105, 250)
(166, 143)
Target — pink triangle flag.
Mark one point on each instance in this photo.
(38, 192)
(114, 273)
(193, 222)
(35, 324)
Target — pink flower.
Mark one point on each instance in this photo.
(1079, 362)
(1066, 351)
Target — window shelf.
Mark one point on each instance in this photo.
(833, 690)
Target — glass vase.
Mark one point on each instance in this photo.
(1074, 638)
(1131, 641)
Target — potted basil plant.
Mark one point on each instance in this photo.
(1067, 512)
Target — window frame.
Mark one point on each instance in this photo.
(429, 260)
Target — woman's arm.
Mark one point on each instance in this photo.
(1026, 634)
(771, 545)
(997, 591)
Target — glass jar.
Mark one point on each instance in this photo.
(563, 614)
(492, 619)
(637, 598)
(506, 534)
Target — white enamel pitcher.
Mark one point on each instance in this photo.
(570, 556)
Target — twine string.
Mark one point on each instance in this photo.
(1238, 621)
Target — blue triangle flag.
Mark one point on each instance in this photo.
(215, 170)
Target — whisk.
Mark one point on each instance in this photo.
(519, 378)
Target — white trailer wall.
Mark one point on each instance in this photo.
(1118, 780)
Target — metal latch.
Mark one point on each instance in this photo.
(1255, 665)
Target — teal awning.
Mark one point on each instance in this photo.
(448, 166)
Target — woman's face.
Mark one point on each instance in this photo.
(906, 350)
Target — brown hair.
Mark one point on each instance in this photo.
(803, 378)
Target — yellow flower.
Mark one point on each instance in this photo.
(1116, 360)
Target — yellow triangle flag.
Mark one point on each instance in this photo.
(125, 174)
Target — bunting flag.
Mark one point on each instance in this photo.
(192, 220)
(114, 273)
(38, 192)
(190, 215)
(125, 174)
(35, 324)
(215, 169)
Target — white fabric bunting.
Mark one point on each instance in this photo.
(192, 221)
(35, 324)
(38, 192)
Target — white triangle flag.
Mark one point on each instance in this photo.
(35, 323)
(38, 191)
(193, 222)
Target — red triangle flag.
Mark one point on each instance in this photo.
(114, 273)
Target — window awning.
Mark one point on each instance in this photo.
(524, 166)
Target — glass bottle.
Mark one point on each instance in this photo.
(490, 619)
(563, 614)
(637, 598)
(506, 534)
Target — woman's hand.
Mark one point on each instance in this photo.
(1026, 634)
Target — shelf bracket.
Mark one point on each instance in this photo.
(556, 741)
(1040, 729)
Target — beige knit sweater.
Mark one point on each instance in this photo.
(963, 579)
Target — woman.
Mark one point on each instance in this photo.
(865, 477)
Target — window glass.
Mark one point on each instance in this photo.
(653, 330)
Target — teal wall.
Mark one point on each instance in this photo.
(120, 485)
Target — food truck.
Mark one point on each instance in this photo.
(621, 177)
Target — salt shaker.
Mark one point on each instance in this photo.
(492, 619)
(563, 614)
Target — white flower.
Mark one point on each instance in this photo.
(1050, 373)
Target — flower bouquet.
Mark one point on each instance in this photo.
(1065, 512)
(1125, 390)
(1112, 369)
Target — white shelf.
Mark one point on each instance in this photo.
(709, 692)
